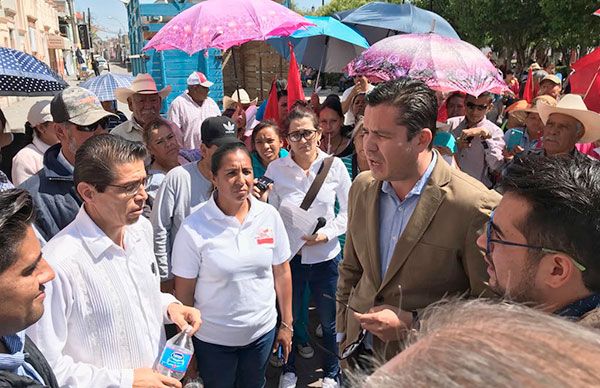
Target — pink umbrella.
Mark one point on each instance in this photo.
(222, 24)
(445, 64)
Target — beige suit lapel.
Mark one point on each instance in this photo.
(431, 199)
(372, 225)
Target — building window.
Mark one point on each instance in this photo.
(33, 39)
(13, 38)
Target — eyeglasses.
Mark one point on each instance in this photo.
(103, 123)
(133, 188)
(480, 108)
(489, 240)
(307, 134)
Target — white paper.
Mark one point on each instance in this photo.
(298, 223)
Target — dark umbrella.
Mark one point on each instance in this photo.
(376, 21)
(24, 75)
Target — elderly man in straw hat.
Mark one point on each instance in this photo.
(192, 107)
(566, 124)
(144, 100)
(530, 135)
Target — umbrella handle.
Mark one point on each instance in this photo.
(321, 63)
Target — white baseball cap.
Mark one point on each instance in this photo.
(39, 113)
(198, 78)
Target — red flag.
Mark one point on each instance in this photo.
(592, 98)
(272, 108)
(295, 91)
(528, 92)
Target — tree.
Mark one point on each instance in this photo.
(342, 5)
(571, 23)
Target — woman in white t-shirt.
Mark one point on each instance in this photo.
(316, 265)
(230, 260)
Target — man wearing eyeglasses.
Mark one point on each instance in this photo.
(78, 115)
(543, 239)
(106, 311)
(480, 142)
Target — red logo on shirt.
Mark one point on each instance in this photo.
(265, 236)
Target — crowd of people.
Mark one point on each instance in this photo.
(377, 207)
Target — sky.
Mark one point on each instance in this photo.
(111, 15)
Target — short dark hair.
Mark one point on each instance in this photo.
(564, 195)
(96, 159)
(16, 215)
(152, 125)
(416, 103)
(262, 125)
(217, 157)
(333, 102)
(487, 95)
(301, 112)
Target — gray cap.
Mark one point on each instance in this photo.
(77, 105)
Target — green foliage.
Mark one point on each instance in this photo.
(571, 23)
(342, 5)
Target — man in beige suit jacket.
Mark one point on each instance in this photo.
(424, 215)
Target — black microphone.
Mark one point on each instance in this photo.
(320, 223)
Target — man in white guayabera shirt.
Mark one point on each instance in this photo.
(105, 313)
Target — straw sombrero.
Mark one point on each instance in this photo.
(572, 105)
(142, 84)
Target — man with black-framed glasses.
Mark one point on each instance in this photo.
(543, 239)
(78, 115)
(480, 142)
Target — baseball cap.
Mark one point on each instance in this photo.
(553, 78)
(77, 105)
(218, 131)
(198, 78)
(39, 113)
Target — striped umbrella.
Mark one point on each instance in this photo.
(24, 75)
(104, 85)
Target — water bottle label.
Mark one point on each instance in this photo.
(175, 361)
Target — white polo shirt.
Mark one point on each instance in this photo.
(232, 262)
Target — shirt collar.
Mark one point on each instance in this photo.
(580, 307)
(64, 162)
(39, 144)
(95, 239)
(15, 343)
(214, 213)
(417, 189)
(134, 125)
(290, 162)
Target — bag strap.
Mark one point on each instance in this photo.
(314, 188)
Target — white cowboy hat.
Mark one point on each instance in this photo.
(572, 105)
(142, 84)
(244, 99)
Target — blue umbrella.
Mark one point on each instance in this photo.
(24, 75)
(377, 21)
(328, 46)
(104, 85)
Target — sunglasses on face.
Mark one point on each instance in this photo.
(489, 241)
(103, 123)
(471, 105)
(307, 134)
(133, 188)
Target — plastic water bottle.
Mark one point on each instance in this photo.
(176, 355)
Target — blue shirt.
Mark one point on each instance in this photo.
(394, 215)
(14, 361)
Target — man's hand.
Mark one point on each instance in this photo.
(361, 85)
(315, 239)
(476, 132)
(183, 316)
(509, 155)
(386, 322)
(147, 378)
